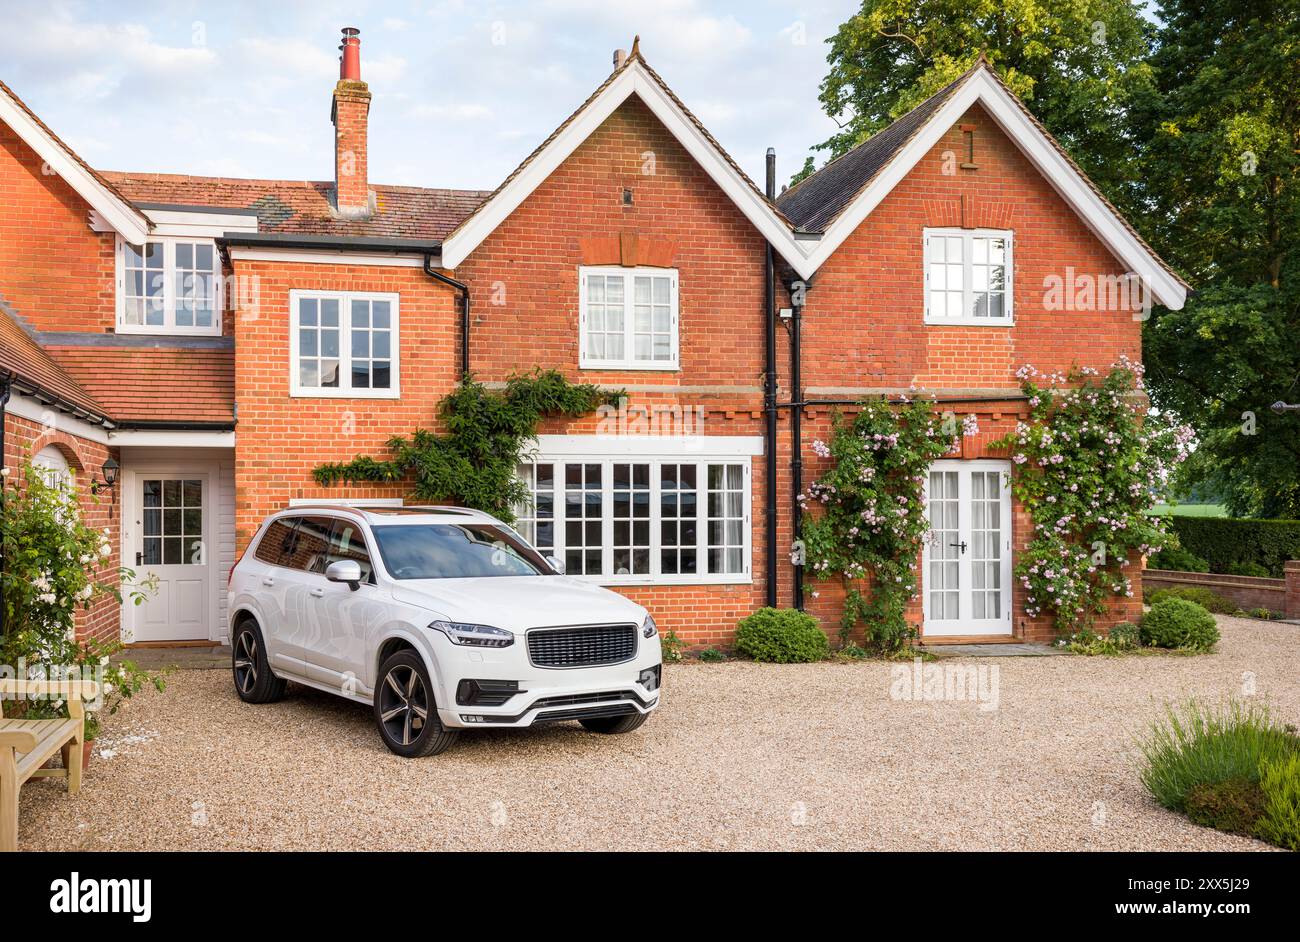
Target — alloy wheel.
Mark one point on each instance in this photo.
(246, 662)
(403, 704)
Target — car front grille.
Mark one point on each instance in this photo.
(586, 646)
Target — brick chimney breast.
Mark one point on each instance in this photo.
(351, 112)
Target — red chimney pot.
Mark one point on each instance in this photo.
(350, 61)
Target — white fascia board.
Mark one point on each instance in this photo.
(203, 225)
(164, 438)
(634, 79)
(324, 257)
(111, 209)
(648, 446)
(982, 88)
(47, 415)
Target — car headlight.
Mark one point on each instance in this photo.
(649, 629)
(479, 636)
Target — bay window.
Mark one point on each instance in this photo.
(343, 344)
(968, 277)
(639, 520)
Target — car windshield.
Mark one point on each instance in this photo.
(457, 551)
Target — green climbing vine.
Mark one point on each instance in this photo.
(869, 517)
(474, 461)
(1089, 463)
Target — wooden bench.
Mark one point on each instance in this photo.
(26, 745)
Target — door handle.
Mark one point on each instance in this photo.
(962, 544)
(317, 593)
(268, 581)
(139, 559)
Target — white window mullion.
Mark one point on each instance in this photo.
(656, 542)
(607, 518)
(702, 518)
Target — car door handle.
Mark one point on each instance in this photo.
(268, 581)
(317, 593)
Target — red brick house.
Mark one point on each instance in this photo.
(219, 338)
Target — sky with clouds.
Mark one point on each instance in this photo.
(463, 90)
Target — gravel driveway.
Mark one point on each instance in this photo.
(740, 756)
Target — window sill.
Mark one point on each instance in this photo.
(168, 331)
(344, 394)
(970, 322)
(615, 582)
(614, 366)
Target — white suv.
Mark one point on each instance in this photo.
(442, 618)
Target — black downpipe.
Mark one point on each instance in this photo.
(464, 310)
(769, 388)
(6, 387)
(796, 436)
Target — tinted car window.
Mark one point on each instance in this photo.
(310, 550)
(348, 542)
(276, 544)
(456, 551)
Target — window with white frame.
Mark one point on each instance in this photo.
(627, 318)
(169, 285)
(344, 344)
(968, 276)
(629, 520)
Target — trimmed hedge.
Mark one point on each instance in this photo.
(782, 636)
(1208, 599)
(1178, 559)
(1225, 543)
(1178, 623)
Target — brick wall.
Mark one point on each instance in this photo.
(23, 439)
(525, 282)
(1246, 592)
(280, 437)
(53, 269)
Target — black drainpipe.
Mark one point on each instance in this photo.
(769, 388)
(6, 386)
(796, 430)
(464, 310)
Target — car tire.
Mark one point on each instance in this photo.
(406, 711)
(614, 725)
(254, 681)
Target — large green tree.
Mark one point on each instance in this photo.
(1079, 64)
(1222, 163)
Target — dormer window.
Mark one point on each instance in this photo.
(168, 286)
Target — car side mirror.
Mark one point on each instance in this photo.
(556, 563)
(345, 570)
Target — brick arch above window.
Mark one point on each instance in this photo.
(65, 444)
(627, 249)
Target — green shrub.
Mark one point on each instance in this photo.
(1248, 569)
(1208, 599)
(1264, 613)
(1125, 635)
(1234, 805)
(1177, 558)
(712, 656)
(1200, 745)
(1223, 541)
(1178, 623)
(673, 648)
(782, 636)
(1279, 781)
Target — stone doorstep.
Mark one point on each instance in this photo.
(993, 650)
(216, 657)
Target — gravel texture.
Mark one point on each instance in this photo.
(740, 756)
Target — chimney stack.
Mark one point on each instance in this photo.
(351, 116)
(620, 56)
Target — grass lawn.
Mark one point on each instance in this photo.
(1189, 510)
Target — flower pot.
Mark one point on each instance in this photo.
(87, 748)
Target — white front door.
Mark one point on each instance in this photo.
(168, 533)
(966, 576)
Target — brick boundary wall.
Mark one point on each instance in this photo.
(1247, 592)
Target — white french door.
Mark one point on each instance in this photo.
(166, 527)
(966, 567)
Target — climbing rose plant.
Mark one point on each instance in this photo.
(1089, 463)
(867, 512)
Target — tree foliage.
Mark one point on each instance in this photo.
(1078, 64)
(1223, 159)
